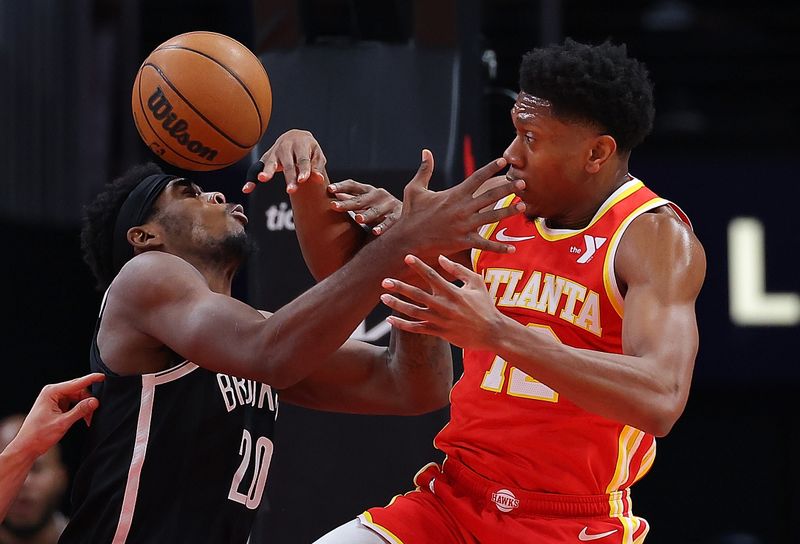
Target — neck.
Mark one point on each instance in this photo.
(219, 276)
(597, 190)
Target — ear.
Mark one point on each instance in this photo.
(603, 147)
(145, 237)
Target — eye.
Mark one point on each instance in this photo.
(528, 136)
(191, 190)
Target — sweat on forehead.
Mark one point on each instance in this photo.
(525, 100)
(527, 107)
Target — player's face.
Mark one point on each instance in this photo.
(549, 154)
(203, 222)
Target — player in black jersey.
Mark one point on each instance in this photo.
(180, 447)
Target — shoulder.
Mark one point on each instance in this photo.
(659, 247)
(152, 277)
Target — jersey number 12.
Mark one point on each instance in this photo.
(519, 384)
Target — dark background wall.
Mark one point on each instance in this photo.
(724, 147)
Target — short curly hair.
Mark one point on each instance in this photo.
(97, 232)
(598, 84)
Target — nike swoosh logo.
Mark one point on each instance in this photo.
(503, 237)
(586, 537)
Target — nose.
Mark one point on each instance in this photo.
(216, 197)
(511, 154)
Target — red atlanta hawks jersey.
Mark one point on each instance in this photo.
(507, 426)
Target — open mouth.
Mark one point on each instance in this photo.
(238, 212)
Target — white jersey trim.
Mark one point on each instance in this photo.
(627, 188)
(149, 383)
(609, 273)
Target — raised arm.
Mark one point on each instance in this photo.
(327, 239)
(331, 225)
(222, 334)
(662, 266)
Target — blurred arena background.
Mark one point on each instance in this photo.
(375, 81)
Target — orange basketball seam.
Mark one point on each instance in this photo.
(245, 87)
(166, 144)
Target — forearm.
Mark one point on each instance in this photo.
(635, 390)
(15, 463)
(421, 368)
(322, 318)
(328, 239)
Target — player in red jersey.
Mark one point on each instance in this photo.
(578, 347)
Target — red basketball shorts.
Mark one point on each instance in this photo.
(454, 505)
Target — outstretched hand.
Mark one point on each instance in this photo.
(55, 410)
(295, 153)
(464, 316)
(447, 222)
(371, 206)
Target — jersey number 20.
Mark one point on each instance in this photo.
(261, 456)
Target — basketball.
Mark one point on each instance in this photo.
(201, 101)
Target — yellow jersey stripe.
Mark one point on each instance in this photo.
(640, 538)
(623, 192)
(629, 441)
(629, 526)
(609, 277)
(366, 519)
(486, 230)
(647, 462)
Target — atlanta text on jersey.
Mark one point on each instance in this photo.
(543, 292)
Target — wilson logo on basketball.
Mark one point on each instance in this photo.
(505, 500)
(160, 107)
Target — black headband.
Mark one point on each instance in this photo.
(134, 211)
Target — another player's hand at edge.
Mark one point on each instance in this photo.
(297, 154)
(371, 206)
(54, 411)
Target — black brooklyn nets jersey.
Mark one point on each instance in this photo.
(179, 456)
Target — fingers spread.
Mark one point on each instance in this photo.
(493, 216)
(479, 242)
(424, 172)
(350, 203)
(437, 282)
(501, 191)
(286, 158)
(408, 291)
(487, 171)
(417, 327)
(365, 216)
(459, 271)
(350, 186)
(406, 308)
(384, 225)
(302, 156)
